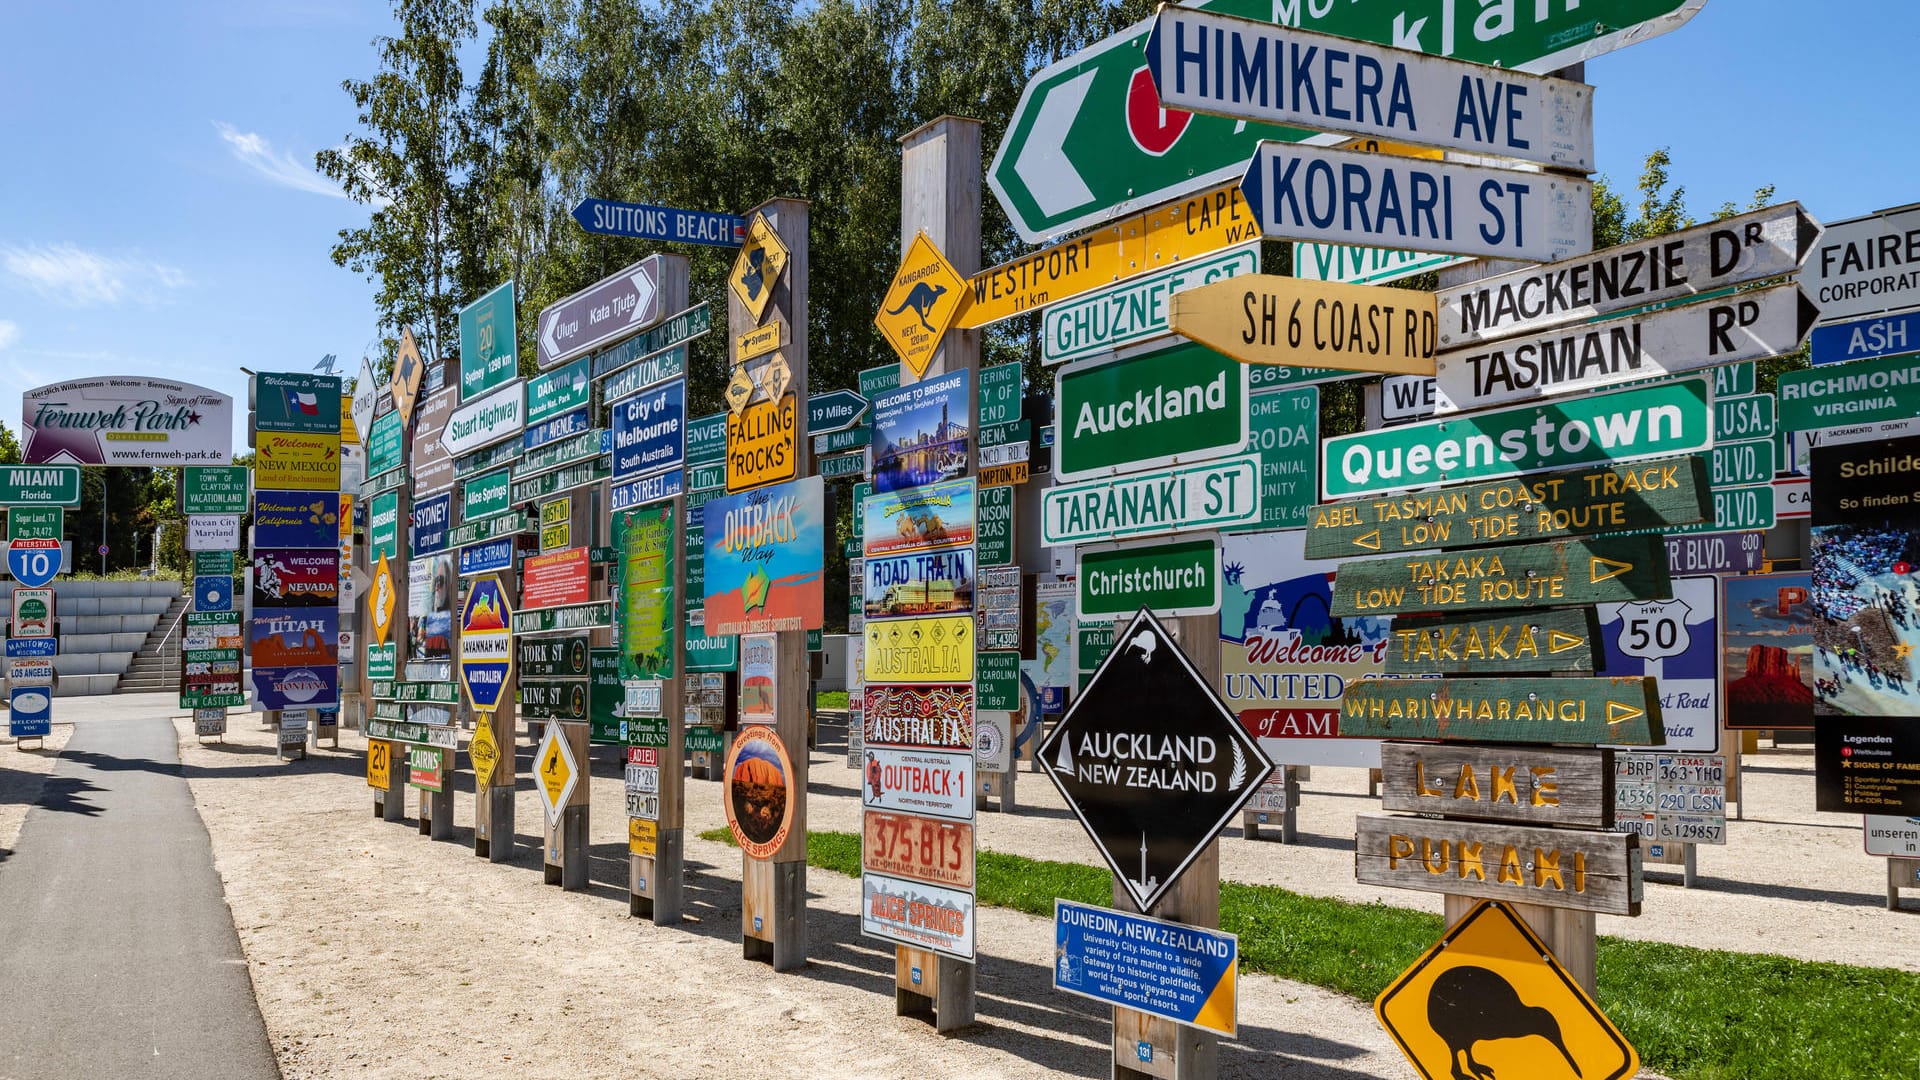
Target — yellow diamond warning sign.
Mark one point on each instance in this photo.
(383, 601)
(1490, 1000)
(556, 772)
(484, 751)
(921, 304)
(758, 266)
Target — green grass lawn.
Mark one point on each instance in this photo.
(1694, 1014)
(830, 699)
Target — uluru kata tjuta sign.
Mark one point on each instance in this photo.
(1151, 761)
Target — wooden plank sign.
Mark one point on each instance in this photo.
(1549, 506)
(1568, 709)
(1513, 644)
(1264, 319)
(1586, 871)
(1526, 784)
(1604, 570)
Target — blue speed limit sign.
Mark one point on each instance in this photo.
(33, 563)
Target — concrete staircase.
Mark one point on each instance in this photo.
(103, 624)
(156, 667)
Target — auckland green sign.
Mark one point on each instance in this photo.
(1177, 405)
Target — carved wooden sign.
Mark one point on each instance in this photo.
(1587, 871)
(1611, 569)
(1513, 644)
(1583, 711)
(1525, 784)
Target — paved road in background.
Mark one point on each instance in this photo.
(121, 958)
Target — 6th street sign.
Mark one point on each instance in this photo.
(611, 308)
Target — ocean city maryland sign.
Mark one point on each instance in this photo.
(1183, 404)
(1151, 761)
(1088, 140)
(921, 304)
(1490, 998)
(1620, 425)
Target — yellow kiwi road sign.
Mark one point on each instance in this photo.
(1490, 1000)
(1202, 223)
(1264, 319)
(758, 267)
(926, 295)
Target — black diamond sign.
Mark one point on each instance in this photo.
(1152, 762)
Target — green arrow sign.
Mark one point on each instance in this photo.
(1088, 141)
(559, 391)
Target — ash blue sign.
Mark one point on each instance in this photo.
(560, 427)
(431, 519)
(213, 594)
(1187, 974)
(296, 519)
(648, 489)
(1865, 339)
(31, 648)
(645, 222)
(32, 712)
(650, 431)
(486, 558)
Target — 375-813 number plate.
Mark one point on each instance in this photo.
(922, 849)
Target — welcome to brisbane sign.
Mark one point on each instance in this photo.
(127, 420)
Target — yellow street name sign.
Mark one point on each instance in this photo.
(1264, 319)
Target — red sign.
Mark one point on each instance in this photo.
(642, 755)
(1291, 723)
(923, 849)
(554, 579)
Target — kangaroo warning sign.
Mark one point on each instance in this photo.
(1151, 761)
(921, 304)
(1490, 1000)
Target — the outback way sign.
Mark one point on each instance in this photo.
(1151, 761)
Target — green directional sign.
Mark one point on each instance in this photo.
(996, 680)
(1089, 142)
(213, 489)
(1559, 573)
(511, 523)
(443, 693)
(488, 346)
(707, 476)
(705, 740)
(1838, 395)
(1190, 498)
(1134, 310)
(993, 526)
(852, 438)
(1749, 461)
(36, 523)
(999, 394)
(559, 480)
(1181, 578)
(554, 455)
(40, 485)
(1284, 428)
(485, 496)
(1743, 508)
(879, 380)
(1518, 642)
(391, 480)
(561, 390)
(1183, 404)
(386, 444)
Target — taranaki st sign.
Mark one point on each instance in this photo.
(1151, 761)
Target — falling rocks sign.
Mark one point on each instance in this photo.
(1151, 761)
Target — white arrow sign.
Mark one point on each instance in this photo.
(486, 420)
(1708, 333)
(610, 309)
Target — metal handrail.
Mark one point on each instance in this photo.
(164, 650)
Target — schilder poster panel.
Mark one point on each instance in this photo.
(766, 559)
(1286, 661)
(1866, 624)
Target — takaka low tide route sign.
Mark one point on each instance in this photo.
(1151, 761)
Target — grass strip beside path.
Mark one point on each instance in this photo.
(1694, 1014)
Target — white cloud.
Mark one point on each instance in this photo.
(80, 278)
(9, 332)
(279, 166)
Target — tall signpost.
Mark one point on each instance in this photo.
(35, 498)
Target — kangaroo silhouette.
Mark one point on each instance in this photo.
(920, 298)
(1471, 1004)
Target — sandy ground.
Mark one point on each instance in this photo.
(23, 777)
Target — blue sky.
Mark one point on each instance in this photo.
(159, 214)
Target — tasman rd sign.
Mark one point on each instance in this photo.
(1180, 404)
(1151, 762)
(1188, 498)
(1658, 420)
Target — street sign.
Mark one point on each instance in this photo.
(1563, 868)
(1566, 709)
(1525, 784)
(1172, 579)
(651, 349)
(837, 410)
(1188, 498)
(1161, 236)
(295, 402)
(1546, 506)
(482, 421)
(1341, 196)
(1749, 461)
(1749, 416)
(1863, 393)
(1599, 570)
(408, 370)
(557, 620)
(1491, 984)
(1866, 339)
(214, 532)
(1357, 264)
(1743, 326)
(839, 468)
(756, 270)
(623, 303)
(1516, 642)
(1865, 265)
(213, 489)
(1206, 62)
(1262, 319)
(1134, 310)
(489, 342)
(555, 772)
(479, 530)
(485, 496)
(1151, 761)
(1638, 422)
(763, 444)
(644, 222)
(560, 391)
(554, 699)
(1285, 431)
(920, 305)
(483, 749)
(39, 485)
(383, 601)
(486, 644)
(1704, 259)
(1178, 405)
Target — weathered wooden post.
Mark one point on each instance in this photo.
(656, 834)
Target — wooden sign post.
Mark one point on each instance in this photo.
(494, 790)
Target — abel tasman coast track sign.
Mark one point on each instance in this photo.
(127, 420)
(1151, 761)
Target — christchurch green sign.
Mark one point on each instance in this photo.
(1183, 404)
(1181, 578)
